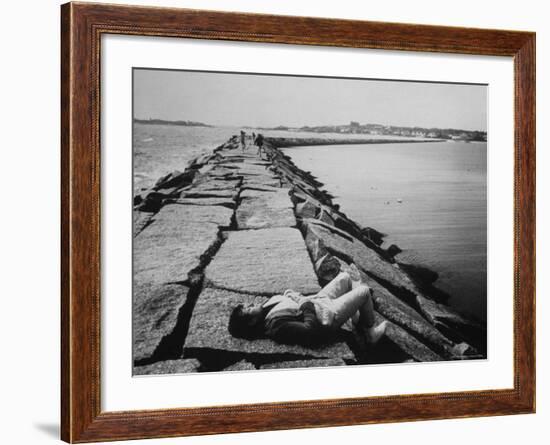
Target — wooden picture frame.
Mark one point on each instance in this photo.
(82, 26)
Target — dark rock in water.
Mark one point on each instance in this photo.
(420, 273)
(175, 179)
(453, 324)
(327, 268)
(393, 250)
(374, 235)
(152, 200)
(181, 366)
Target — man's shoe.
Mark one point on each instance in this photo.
(372, 335)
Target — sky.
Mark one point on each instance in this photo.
(235, 99)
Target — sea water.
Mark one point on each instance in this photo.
(429, 198)
(161, 149)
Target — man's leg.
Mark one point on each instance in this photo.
(359, 299)
(337, 287)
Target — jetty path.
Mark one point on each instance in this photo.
(235, 227)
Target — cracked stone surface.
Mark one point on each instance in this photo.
(263, 180)
(154, 315)
(182, 366)
(140, 220)
(210, 193)
(263, 188)
(260, 209)
(242, 365)
(180, 215)
(168, 249)
(313, 363)
(263, 262)
(207, 201)
(164, 254)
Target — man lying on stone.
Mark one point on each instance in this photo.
(292, 318)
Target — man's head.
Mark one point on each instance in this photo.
(246, 322)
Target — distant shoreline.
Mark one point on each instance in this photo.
(165, 122)
(287, 142)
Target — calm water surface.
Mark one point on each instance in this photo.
(430, 198)
(160, 149)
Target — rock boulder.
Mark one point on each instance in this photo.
(263, 262)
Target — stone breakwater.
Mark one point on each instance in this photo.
(234, 228)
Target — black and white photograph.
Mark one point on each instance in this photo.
(275, 222)
(285, 221)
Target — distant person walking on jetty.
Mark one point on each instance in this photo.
(259, 142)
(292, 318)
(243, 140)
